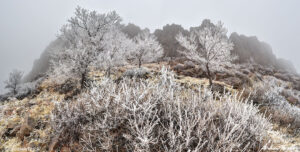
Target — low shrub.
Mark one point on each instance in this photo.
(270, 95)
(158, 115)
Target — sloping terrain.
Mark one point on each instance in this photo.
(25, 125)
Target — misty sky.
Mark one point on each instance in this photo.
(27, 26)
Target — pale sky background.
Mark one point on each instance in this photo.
(27, 26)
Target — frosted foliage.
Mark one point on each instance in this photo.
(147, 48)
(13, 81)
(158, 115)
(83, 36)
(116, 45)
(279, 107)
(209, 45)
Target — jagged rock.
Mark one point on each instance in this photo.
(26, 128)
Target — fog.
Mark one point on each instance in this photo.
(27, 27)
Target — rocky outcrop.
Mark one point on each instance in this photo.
(252, 49)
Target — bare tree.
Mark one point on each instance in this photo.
(13, 81)
(84, 35)
(208, 44)
(147, 48)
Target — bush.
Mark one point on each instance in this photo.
(136, 73)
(27, 89)
(270, 95)
(158, 115)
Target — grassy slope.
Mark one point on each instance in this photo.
(15, 112)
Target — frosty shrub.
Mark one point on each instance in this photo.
(136, 72)
(269, 95)
(13, 81)
(158, 115)
(28, 88)
(207, 44)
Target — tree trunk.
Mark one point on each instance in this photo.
(14, 91)
(140, 63)
(83, 80)
(209, 75)
(108, 72)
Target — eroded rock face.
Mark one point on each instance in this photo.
(250, 48)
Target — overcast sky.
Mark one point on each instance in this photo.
(27, 26)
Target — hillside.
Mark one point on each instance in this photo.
(105, 86)
(26, 124)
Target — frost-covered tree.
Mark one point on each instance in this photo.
(207, 44)
(13, 81)
(116, 45)
(83, 34)
(147, 48)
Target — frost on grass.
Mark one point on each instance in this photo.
(270, 94)
(158, 115)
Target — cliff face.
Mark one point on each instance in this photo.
(250, 48)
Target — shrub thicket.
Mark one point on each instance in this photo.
(158, 115)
